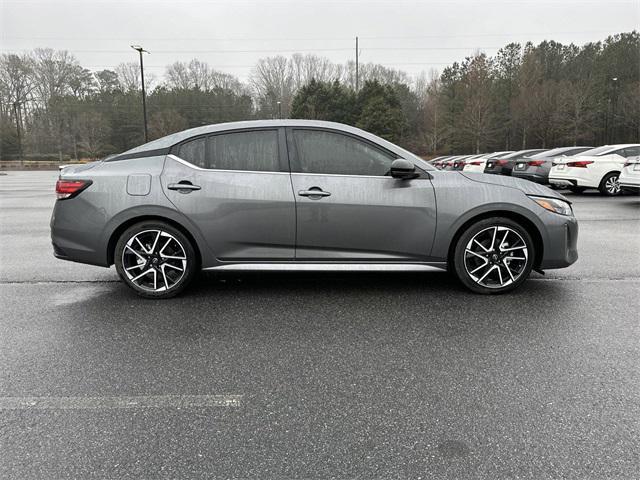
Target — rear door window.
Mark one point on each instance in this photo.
(255, 150)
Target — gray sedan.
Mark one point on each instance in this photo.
(537, 167)
(301, 195)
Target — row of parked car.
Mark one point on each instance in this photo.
(610, 168)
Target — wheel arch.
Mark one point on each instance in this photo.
(601, 183)
(522, 220)
(125, 224)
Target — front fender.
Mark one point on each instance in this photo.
(461, 200)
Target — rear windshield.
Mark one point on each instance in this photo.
(522, 153)
(552, 153)
(598, 150)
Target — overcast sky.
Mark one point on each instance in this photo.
(232, 35)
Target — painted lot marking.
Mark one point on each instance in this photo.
(105, 403)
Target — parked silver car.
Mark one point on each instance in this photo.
(301, 195)
(537, 167)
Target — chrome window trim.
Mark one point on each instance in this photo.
(340, 175)
(195, 167)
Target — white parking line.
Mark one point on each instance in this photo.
(102, 403)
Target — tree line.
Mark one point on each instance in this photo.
(528, 95)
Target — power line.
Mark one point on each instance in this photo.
(286, 50)
(262, 39)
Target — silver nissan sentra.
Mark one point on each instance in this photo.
(302, 195)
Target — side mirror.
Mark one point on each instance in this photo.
(403, 169)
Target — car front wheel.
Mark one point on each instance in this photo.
(155, 259)
(494, 255)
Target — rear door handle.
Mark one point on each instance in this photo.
(183, 186)
(316, 192)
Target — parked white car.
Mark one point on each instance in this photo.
(630, 175)
(596, 168)
(477, 165)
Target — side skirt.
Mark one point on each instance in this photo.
(332, 267)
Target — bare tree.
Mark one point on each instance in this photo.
(129, 76)
(93, 134)
(52, 73)
(16, 86)
(477, 117)
(273, 82)
(166, 122)
(201, 76)
(305, 68)
(575, 110)
(434, 130)
(630, 108)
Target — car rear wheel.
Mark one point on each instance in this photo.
(155, 259)
(494, 255)
(610, 185)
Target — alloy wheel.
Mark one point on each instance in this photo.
(496, 257)
(154, 260)
(612, 185)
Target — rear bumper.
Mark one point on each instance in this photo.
(75, 233)
(533, 177)
(629, 182)
(630, 187)
(578, 177)
(499, 171)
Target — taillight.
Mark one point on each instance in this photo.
(535, 163)
(70, 188)
(475, 163)
(501, 162)
(580, 163)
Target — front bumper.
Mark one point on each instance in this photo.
(561, 246)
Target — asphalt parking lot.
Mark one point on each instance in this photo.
(318, 375)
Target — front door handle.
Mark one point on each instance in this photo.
(314, 193)
(184, 186)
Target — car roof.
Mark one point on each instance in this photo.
(174, 138)
(557, 151)
(523, 152)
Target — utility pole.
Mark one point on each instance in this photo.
(614, 103)
(144, 94)
(357, 79)
(279, 109)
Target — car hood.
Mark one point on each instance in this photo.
(526, 186)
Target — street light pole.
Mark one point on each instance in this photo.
(279, 110)
(144, 94)
(357, 72)
(614, 101)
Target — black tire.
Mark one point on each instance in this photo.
(522, 267)
(167, 270)
(577, 189)
(607, 187)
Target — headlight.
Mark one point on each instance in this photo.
(554, 205)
